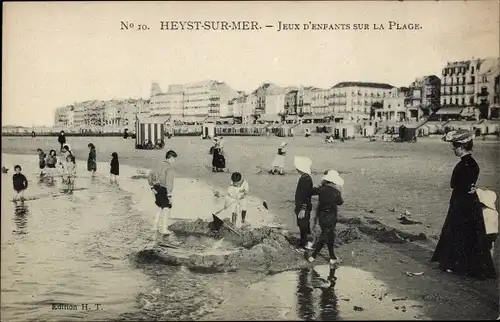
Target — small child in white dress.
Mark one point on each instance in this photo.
(236, 197)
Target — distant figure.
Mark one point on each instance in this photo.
(61, 139)
(278, 165)
(20, 183)
(235, 198)
(51, 162)
(33, 134)
(218, 160)
(161, 181)
(70, 173)
(125, 134)
(92, 159)
(41, 161)
(114, 168)
(307, 132)
(4, 170)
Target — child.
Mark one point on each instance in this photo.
(115, 167)
(20, 183)
(330, 196)
(235, 198)
(303, 205)
(41, 161)
(70, 173)
(51, 162)
(278, 166)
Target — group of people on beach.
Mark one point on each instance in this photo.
(51, 166)
(466, 242)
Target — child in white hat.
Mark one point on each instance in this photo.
(330, 197)
(303, 205)
(278, 165)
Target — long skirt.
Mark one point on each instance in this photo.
(218, 160)
(279, 161)
(463, 246)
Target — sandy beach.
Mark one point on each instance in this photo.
(379, 177)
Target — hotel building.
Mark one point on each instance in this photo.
(352, 101)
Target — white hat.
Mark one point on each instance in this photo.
(487, 198)
(283, 144)
(303, 164)
(334, 177)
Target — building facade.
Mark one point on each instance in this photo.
(291, 102)
(261, 92)
(487, 90)
(320, 102)
(169, 103)
(458, 84)
(424, 94)
(393, 109)
(352, 101)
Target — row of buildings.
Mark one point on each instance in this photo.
(94, 114)
(466, 89)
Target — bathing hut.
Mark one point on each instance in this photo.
(150, 132)
(208, 130)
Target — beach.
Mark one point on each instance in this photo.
(380, 177)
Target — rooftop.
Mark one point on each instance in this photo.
(364, 84)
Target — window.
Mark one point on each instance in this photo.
(471, 100)
(463, 100)
(456, 101)
(445, 101)
(456, 90)
(472, 70)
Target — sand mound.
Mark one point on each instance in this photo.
(263, 249)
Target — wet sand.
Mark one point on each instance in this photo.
(379, 176)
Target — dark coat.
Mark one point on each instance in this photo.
(463, 246)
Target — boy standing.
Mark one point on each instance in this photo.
(330, 196)
(303, 205)
(161, 181)
(20, 183)
(235, 197)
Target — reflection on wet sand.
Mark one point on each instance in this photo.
(21, 218)
(307, 304)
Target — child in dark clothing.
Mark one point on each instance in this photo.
(41, 161)
(303, 205)
(115, 167)
(330, 196)
(20, 183)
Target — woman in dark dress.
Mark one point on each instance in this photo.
(464, 247)
(218, 160)
(92, 160)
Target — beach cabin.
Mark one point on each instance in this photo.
(150, 132)
(407, 133)
(343, 131)
(208, 130)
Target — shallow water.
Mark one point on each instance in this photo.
(80, 249)
(325, 294)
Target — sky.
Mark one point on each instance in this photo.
(56, 54)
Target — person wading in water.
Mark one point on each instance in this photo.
(161, 182)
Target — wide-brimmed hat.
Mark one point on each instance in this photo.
(283, 144)
(303, 164)
(459, 136)
(334, 177)
(487, 198)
